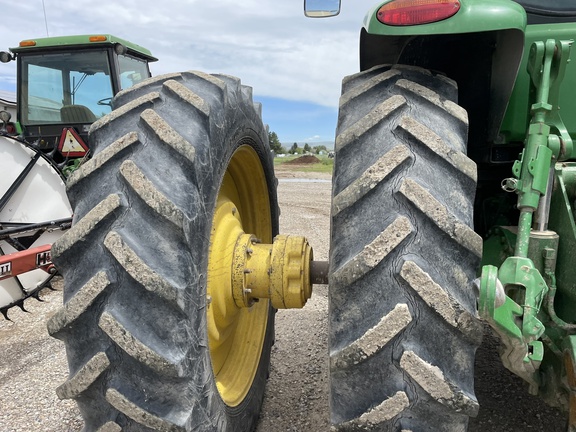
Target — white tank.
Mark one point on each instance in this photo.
(40, 197)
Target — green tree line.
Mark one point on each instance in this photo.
(277, 147)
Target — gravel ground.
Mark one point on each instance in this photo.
(33, 364)
(297, 392)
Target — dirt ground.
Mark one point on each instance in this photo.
(297, 392)
(32, 364)
(303, 160)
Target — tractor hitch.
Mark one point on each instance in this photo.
(517, 299)
(516, 322)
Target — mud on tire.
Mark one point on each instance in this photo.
(403, 331)
(135, 262)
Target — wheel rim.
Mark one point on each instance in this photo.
(236, 335)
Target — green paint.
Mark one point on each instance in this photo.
(499, 245)
(528, 316)
(517, 116)
(83, 41)
(562, 222)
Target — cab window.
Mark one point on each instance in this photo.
(65, 87)
(132, 71)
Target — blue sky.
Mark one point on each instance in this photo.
(295, 64)
(299, 121)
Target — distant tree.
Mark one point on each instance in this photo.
(293, 149)
(307, 148)
(275, 144)
(318, 149)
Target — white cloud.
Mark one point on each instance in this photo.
(269, 44)
(313, 138)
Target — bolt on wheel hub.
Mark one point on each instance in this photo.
(279, 271)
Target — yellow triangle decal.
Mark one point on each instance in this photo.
(71, 144)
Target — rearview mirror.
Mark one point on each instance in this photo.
(321, 8)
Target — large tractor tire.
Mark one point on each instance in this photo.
(153, 338)
(403, 328)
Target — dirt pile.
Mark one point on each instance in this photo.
(304, 160)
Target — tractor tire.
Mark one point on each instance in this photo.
(152, 340)
(402, 328)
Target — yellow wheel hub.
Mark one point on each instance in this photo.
(244, 272)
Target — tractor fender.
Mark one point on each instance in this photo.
(474, 16)
(480, 47)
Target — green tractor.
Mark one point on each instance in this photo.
(64, 85)
(452, 203)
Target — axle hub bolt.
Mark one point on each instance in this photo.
(279, 271)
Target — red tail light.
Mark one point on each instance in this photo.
(414, 12)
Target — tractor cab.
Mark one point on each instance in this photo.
(66, 83)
